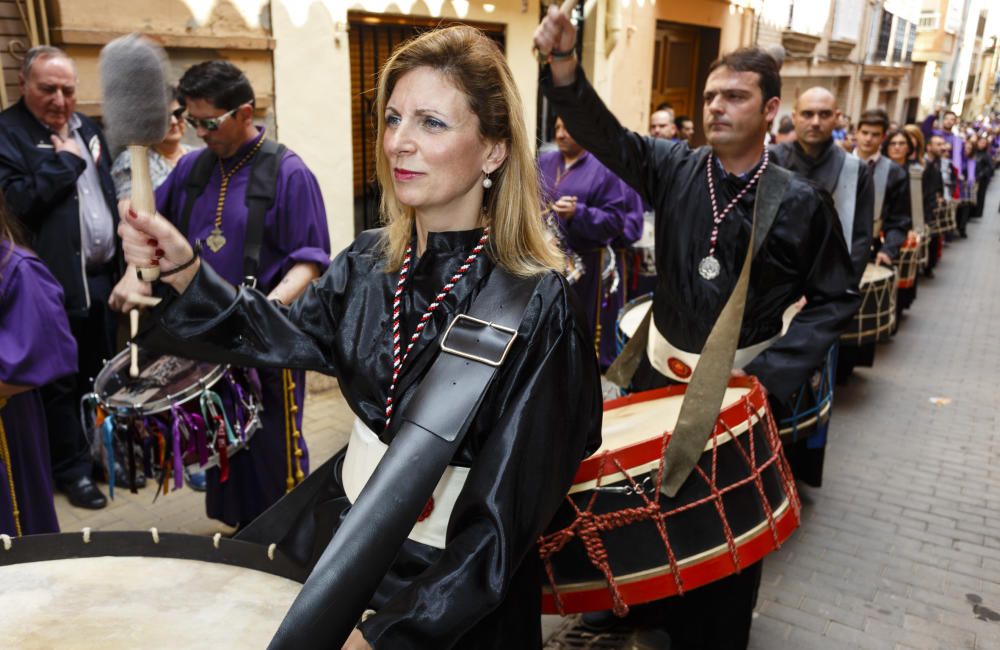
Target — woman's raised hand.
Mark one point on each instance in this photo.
(151, 240)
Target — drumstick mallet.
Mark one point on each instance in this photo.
(136, 104)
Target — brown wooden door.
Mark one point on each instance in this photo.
(675, 68)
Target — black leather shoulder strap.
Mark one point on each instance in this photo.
(195, 184)
(261, 190)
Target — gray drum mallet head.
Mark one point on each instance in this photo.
(134, 81)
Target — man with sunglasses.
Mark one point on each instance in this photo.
(55, 174)
(206, 196)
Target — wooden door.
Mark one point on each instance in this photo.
(675, 68)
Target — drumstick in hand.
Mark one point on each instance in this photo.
(133, 316)
(134, 81)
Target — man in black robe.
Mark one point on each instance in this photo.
(804, 254)
(814, 156)
(891, 188)
(891, 185)
(933, 196)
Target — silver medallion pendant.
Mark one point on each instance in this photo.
(709, 268)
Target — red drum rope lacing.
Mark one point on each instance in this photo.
(587, 526)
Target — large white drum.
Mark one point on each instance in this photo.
(124, 590)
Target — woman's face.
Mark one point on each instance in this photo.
(176, 131)
(897, 149)
(432, 142)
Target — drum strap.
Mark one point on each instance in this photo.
(261, 190)
(917, 197)
(881, 182)
(707, 388)
(434, 423)
(845, 196)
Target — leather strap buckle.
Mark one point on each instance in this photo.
(481, 343)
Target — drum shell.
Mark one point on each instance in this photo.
(809, 408)
(697, 534)
(875, 319)
(624, 329)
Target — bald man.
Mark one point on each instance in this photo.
(843, 177)
(847, 181)
(661, 125)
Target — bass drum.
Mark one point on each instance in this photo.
(617, 541)
(123, 590)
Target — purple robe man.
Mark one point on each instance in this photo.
(36, 347)
(295, 232)
(948, 122)
(598, 217)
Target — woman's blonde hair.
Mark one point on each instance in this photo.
(918, 140)
(476, 66)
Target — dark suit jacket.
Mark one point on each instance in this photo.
(40, 187)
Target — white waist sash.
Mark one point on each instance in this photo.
(671, 361)
(365, 450)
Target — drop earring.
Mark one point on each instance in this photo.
(487, 182)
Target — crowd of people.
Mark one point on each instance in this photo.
(606, 217)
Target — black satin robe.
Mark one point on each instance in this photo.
(539, 419)
(896, 215)
(804, 253)
(823, 172)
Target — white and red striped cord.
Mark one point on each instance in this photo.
(399, 359)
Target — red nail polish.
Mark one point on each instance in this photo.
(132, 213)
(152, 242)
(159, 252)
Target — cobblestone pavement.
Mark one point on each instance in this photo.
(901, 546)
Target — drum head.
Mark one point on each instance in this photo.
(163, 381)
(123, 590)
(875, 273)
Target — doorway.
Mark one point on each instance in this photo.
(682, 55)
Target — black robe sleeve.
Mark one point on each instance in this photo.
(897, 221)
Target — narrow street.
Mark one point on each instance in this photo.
(901, 546)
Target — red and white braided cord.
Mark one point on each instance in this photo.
(398, 355)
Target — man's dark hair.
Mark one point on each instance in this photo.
(952, 113)
(786, 125)
(220, 83)
(664, 106)
(875, 117)
(753, 59)
(680, 120)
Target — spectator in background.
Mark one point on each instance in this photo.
(36, 348)
(685, 129)
(984, 172)
(786, 130)
(55, 172)
(661, 124)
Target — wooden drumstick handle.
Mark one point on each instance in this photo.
(567, 6)
(143, 199)
(133, 318)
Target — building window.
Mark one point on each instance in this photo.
(910, 42)
(884, 33)
(900, 40)
(929, 19)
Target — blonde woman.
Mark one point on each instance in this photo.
(461, 199)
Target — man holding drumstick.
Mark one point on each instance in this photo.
(704, 202)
